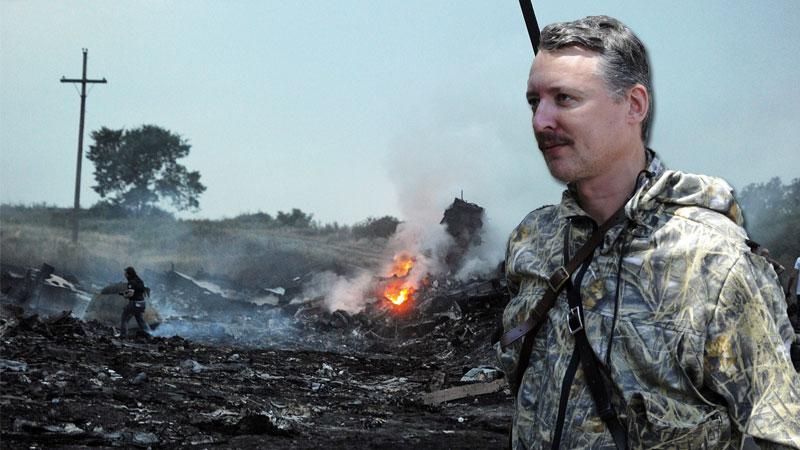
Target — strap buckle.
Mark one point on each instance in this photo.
(558, 278)
(574, 321)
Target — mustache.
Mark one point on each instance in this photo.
(546, 139)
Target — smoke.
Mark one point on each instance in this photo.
(444, 159)
(473, 134)
(269, 328)
(420, 234)
(482, 261)
(426, 243)
(348, 294)
(467, 144)
(450, 150)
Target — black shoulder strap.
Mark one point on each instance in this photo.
(530, 327)
(556, 282)
(591, 366)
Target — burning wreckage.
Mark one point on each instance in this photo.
(394, 357)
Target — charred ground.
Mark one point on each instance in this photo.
(72, 384)
(263, 362)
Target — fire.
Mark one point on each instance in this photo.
(398, 290)
(403, 263)
(397, 293)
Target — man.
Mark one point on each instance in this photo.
(795, 279)
(685, 328)
(135, 293)
(793, 289)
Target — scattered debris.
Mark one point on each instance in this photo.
(14, 366)
(68, 383)
(482, 374)
(458, 392)
(259, 398)
(43, 291)
(140, 378)
(262, 365)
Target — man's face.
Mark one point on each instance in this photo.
(578, 125)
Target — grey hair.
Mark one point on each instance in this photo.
(624, 60)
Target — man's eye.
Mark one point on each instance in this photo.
(534, 102)
(564, 98)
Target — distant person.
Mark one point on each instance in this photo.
(796, 279)
(135, 294)
(793, 290)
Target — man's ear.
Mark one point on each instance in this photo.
(639, 104)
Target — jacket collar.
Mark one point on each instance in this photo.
(569, 207)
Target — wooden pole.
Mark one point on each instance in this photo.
(83, 81)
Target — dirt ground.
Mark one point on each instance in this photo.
(72, 384)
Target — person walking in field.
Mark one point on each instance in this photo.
(135, 307)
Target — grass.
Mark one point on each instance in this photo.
(250, 253)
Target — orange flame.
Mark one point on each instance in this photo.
(403, 263)
(397, 293)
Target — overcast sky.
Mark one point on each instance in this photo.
(349, 109)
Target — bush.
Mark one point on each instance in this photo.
(106, 210)
(294, 219)
(259, 218)
(374, 228)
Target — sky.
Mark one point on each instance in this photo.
(349, 109)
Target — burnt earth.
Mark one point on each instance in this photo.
(72, 384)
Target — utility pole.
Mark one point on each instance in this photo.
(83, 81)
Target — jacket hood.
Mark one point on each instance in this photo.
(673, 189)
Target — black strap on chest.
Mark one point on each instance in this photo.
(592, 367)
(528, 329)
(555, 283)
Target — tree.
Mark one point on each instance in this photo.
(296, 219)
(259, 218)
(139, 168)
(372, 227)
(772, 216)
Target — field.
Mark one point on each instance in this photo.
(245, 252)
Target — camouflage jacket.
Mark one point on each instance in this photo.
(697, 351)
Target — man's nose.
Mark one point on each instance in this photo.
(544, 117)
